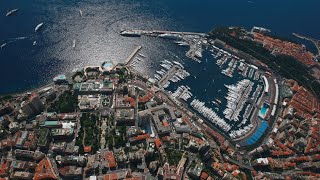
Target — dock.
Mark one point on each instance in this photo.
(169, 75)
(175, 32)
(158, 32)
(133, 54)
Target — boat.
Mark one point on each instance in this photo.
(80, 12)
(181, 43)
(168, 62)
(131, 33)
(170, 36)
(210, 115)
(218, 100)
(177, 63)
(215, 103)
(236, 97)
(142, 55)
(38, 27)
(3, 45)
(74, 43)
(260, 29)
(34, 43)
(12, 12)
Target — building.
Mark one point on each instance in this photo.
(4, 168)
(109, 157)
(5, 109)
(196, 170)
(94, 87)
(37, 155)
(139, 138)
(22, 165)
(71, 172)
(71, 160)
(32, 106)
(14, 127)
(50, 124)
(161, 116)
(62, 133)
(88, 102)
(277, 46)
(22, 175)
(59, 147)
(137, 156)
(46, 169)
(125, 117)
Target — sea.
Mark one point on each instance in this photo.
(96, 33)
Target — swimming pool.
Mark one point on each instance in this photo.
(264, 110)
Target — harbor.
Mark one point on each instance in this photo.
(313, 40)
(170, 72)
(226, 91)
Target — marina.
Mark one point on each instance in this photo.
(234, 105)
(182, 92)
(236, 98)
(210, 115)
(171, 72)
(229, 103)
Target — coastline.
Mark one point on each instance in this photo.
(31, 89)
(314, 41)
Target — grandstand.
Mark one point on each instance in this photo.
(257, 135)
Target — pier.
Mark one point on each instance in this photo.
(158, 32)
(133, 54)
(169, 75)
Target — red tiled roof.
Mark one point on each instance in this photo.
(44, 170)
(112, 176)
(165, 123)
(131, 100)
(4, 168)
(87, 149)
(158, 142)
(146, 98)
(110, 158)
(283, 47)
(142, 137)
(204, 176)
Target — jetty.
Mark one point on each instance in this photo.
(168, 75)
(159, 32)
(133, 54)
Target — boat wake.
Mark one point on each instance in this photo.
(11, 40)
